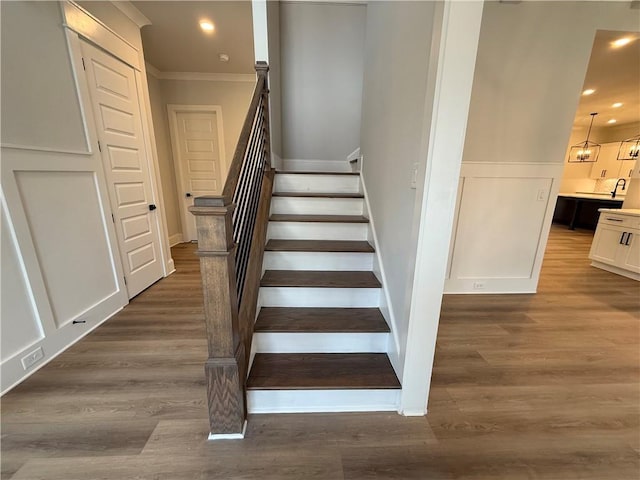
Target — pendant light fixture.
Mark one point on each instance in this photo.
(629, 148)
(585, 151)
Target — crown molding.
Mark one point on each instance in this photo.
(152, 70)
(130, 10)
(210, 77)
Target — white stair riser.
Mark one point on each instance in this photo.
(319, 297)
(295, 401)
(329, 166)
(286, 342)
(297, 182)
(317, 231)
(317, 206)
(349, 261)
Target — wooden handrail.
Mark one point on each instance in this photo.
(231, 237)
(236, 164)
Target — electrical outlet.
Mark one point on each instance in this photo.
(478, 285)
(31, 358)
(542, 195)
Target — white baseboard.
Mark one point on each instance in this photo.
(175, 239)
(299, 165)
(393, 350)
(616, 270)
(53, 345)
(305, 401)
(229, 436)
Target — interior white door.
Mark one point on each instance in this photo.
(116, 107)
(199, 155)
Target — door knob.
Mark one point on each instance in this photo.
(188, 195)
(152, 207)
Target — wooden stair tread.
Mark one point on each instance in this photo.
(281, 217)
(322, 279)
(289, 172)
(322, 371)
(338, 320)
(275, 245)
(318, 195)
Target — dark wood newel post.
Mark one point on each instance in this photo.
(230, 325)
(225, 368)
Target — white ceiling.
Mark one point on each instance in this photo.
(174, 41)
(614, 73)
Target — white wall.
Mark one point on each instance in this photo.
(165, 156)
(59, 264)
(275, 80)
(529, 73)
(42, 61)
(392, 139)
(266, 45)
(322, 48)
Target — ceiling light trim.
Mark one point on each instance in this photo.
(210, 77)
(130, 10)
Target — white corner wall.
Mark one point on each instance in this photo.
(321, 54)
(529, 73)
(266, 45)
(395, 125)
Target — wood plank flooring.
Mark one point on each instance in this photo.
(539, 386)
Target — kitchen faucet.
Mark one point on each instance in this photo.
(624, 184)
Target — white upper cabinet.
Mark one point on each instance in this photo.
(608, 165)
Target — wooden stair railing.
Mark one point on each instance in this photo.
(231, 237)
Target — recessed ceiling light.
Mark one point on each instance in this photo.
(621, 42)
(223, 57)
(588, 91)
(617, 105)
(613, 120)
(207, 26)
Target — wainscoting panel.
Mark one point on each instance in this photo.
(16, 298)
(61, 276)
(501, 227)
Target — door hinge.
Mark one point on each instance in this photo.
(84, 67)
(99, 146)
(125, 280)
(113, 219)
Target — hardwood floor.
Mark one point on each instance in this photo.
(524, 387)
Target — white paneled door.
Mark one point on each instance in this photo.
(116, 107)
(197, 147)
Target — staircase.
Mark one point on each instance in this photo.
(320, 339)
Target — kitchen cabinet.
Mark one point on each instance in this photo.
(627, 169)
(608, 165)
(616, 243)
